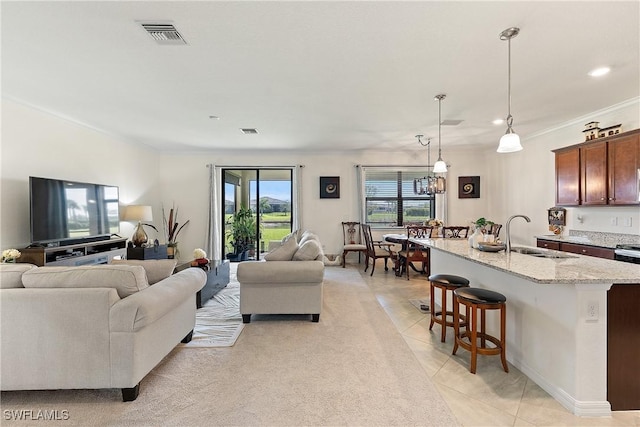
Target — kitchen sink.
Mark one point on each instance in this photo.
(541, 253)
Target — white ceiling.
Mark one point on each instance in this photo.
(318, 75)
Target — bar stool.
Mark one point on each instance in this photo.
(446, 283)
(476, 299)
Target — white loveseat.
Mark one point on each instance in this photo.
(288, 281)
(90, 327)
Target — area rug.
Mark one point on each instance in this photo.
(218, 321)
(421, 304)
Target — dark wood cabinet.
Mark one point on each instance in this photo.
(588, 250)
(593, 173)
(624, 173)
(575, 248)
(548, 244)
(599, 173)
(568, 177)
(623, 347)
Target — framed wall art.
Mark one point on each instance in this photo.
(468, 187)
(329, 187)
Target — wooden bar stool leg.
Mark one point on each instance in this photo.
(474, 337)
(503, 340)
(433, 306)
(456, 324)
(482, 328)
(444, 316)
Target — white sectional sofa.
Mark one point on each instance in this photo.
(288, 281)
(90, 327)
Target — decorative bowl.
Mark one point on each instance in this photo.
(491, 247)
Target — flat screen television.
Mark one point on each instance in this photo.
(69, 212)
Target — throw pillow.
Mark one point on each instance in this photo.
(307, 235)
(126, 279)
(283, 252)
(309, 251)
(156, 269)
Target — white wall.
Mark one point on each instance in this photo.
(35, 143)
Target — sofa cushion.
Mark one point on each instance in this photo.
(283, 252)
(11, 274)
(308, 251)
(156, 269)
(125, 279)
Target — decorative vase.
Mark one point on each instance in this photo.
(476, 238)
(171, 251)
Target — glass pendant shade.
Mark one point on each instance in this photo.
(509, 143)
(440, 166)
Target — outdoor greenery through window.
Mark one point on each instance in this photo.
(389, 198)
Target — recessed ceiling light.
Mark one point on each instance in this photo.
(498, 121)
(599, 71)
(214, 117)
(249, 131)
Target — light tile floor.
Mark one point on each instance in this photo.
(492, 397)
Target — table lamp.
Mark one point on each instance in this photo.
(138, 213)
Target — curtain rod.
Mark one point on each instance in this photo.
(393, 166)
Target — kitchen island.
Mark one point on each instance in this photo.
(556, 315)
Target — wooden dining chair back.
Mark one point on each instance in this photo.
(414, 253)
(455, 232)
(495, 230)
(377, 249)
(352, 240)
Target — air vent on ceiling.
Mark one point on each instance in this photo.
(249, 131)
(451, 122)
(164, 33)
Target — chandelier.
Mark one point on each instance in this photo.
(429, 184)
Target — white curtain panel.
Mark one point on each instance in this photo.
(213, 241)
(297, 191)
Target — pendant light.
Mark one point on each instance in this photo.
(440, 166)
(510, 141)
(429, 184)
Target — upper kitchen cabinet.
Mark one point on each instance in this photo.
(568, 177)
(624, 170)
(601, 172)
(593, 173)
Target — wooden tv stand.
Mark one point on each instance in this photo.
(88, 253)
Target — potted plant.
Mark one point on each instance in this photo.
(483, 224)
(172, 228)
(241, 231)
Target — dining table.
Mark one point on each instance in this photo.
(402, 239)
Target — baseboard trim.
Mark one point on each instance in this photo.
(581, 408)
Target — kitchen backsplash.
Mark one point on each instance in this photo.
(599, 238)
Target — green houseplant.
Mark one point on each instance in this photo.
(483, 224)
(241, 231)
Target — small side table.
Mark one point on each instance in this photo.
(151, 252)
(217, 278)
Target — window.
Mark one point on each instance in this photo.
(389, 200)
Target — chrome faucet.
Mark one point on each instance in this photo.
(508, 249)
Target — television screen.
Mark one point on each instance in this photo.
(68, 210)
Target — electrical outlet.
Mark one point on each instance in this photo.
(592, 311)
(614, 220)
(628, 221)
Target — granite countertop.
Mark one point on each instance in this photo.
(578, 269)
(594, 238)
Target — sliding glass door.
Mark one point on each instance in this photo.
(257, 209)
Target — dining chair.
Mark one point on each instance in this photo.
(415, 253)
(455, 232)
(377, 249)
(352, 240)
(495, 230)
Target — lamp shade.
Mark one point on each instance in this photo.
(137, 213)
(509, 143)
(440, 166)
